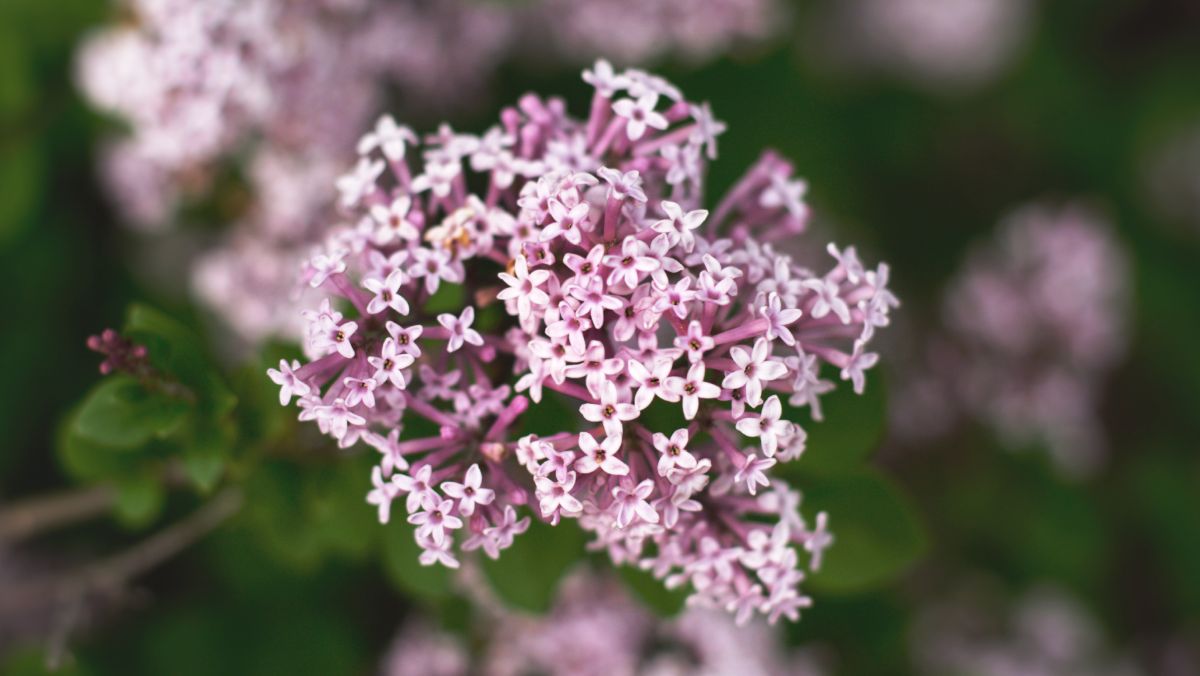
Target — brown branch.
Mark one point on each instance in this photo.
(109, 576)
(34, 515)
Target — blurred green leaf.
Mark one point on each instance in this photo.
(877, 533)
(527, 574)
(204, 457)
(663, 417)
(652, 592)
(546, 417)
(140, 499)
(22, 173)
(302, 514)
(120, 413)
(16, 81)
(176, 350)
(85, 459)
(31, 661)
(850, 432)
(448, 298)
(401, 563)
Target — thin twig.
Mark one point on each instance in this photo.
(34, 515)
(110, 575)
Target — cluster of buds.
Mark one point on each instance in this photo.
(122, 355)
(554, 258)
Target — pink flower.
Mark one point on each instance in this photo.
(640, 114)
(753, 368)
(387, 293)
(678, 226)
(435, 521)
(289, 384)
(460, 329)
(610, 411)
(692, 389)
(630, 501)
(523, 287)
(674, 451)
(469, 493)
(767, 426)
(600, 456)
(629, 266)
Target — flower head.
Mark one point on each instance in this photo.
(611, 291)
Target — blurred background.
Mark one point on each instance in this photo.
(1030, 171)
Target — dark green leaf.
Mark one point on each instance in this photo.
(87, 460)
(527, 574)
(22, 173)
(120, 413)
(877, 534)
(303, 514)
(400, 562)
(139, 499)
(546, 417)
(852, 428)
(178, 352)
(204, 457)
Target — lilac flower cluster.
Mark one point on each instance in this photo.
(641, 31)
(608, 633)
(200, 87)
(941, 44)
(564, 259)
(1044, 632)
(1034, 323)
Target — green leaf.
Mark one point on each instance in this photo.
(401, 564)
(303, 515)
(851, 430)
(87, 460)
(31, 661)
(16, 75)
(448, 298)
(204, 458)
(22, 173)
(139, 499)
(546, 417)
(120, 413)
(652, 592)
(527, 574)
(877, 533)
(177, 351)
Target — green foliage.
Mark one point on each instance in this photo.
(131, 433)
(122, 414)
(527, 575)
(178, 352)
(30, 661)
(877, 533)
(304, 515)
(401, 563)
(851, 430)
(21, 169)
(139, 499)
